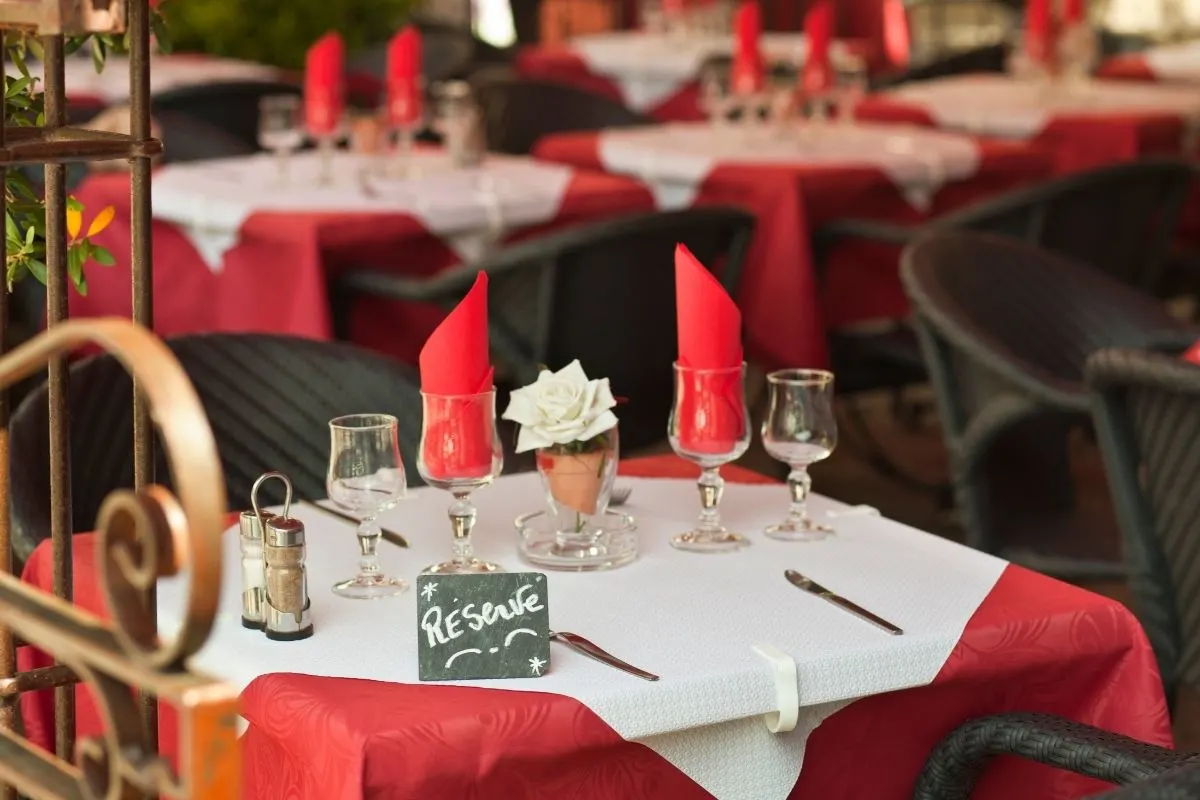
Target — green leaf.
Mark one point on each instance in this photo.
(99, 53)
(75, 256)
(35, 47)
(14, 86)
(101, 255)
(11, 231)
(29, 236)
(162, 38)
(74, 205)
(37, 269)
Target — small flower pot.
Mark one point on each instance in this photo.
(578, 480)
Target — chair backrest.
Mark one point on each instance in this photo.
(267, 398)
(986, 58)
(517, 112)
(605, 294)
(231, 106)
(942, 27)
(447, 53)
(1181, 783)
(1146, 407)
(1119, 219)
(189, 138)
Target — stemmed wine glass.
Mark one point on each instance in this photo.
(460, 452)
(366, 477)
(281, 128)
(709, 426)
(800, 429)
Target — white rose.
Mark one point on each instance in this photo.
(560, 408)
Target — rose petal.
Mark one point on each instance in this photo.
(522, 408)
(531, 439)
(605, 422)
(604, 396)
(573, 372)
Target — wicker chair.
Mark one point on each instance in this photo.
(517, 112)
(1146, 407)
(268, 399)
(958, 760)
(1006, 328)
(1181, 783)
(603, 293)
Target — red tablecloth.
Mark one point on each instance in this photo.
(274, 279)
(1034, 645)
(1077, 142)
(786, 313)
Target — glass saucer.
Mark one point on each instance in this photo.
(614, 545)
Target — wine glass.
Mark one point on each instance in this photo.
(460, 452)
(851, 83)
(709, 426)
(280, 128)
(366, 477)
(799, 429)
(405, 116)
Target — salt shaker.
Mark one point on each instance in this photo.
(461, 125)
(285, 608)
(288, 612)
(254, 571)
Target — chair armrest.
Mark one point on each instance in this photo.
(446, 286)
(883, 232)
(954, 765)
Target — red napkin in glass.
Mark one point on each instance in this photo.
(896, 38)
(404, 77)
(817, 76)
(324, 85)
(1192, 354)
(1037, 30)
(459, 427)
(710, 406)
(1073, 11)
(746, 76)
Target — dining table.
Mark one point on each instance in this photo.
(795, 177)
(1086, 124)
(736, 646)
(250, 244)
(1178, 62)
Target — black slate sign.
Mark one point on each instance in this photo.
(482, 626)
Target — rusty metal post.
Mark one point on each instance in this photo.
(60, 419)
(8, 647)
(142, 262)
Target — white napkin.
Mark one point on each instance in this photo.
(996, 105)
(648, 68)
(691, 619)
(468, 209)
(674, 160)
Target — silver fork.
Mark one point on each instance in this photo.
(584, 647)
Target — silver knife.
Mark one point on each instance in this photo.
(812, 587)
(583, 646)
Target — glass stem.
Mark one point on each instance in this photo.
(283, 157)
(325, 150)
(800, 484)
(462, 521)
(711, 486)
(368, 542)
(404, 151)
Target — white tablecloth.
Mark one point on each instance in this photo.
(675, 159)
(1175, 62)
(649, 67)
(996, 105)
(692, 619)
(166, 72)
(210, 200)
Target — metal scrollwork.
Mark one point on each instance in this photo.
(141, 536)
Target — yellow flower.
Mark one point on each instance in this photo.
(99, 223)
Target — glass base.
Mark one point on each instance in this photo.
(613, 545)
(709, 541)
(370, 588)
(471, 566)
(804, 530)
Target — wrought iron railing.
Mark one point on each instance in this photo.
(143, 533)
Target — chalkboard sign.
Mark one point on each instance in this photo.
(482, 626)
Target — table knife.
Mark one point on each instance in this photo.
(812, 587)
(584, 647)
(387, 535)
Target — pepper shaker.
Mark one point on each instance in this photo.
(285, 607)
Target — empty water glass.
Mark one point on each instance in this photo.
(800, 429)
(281, 128)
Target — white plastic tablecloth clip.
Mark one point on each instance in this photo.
(787, 692)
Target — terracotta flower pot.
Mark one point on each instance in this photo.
(578, 479)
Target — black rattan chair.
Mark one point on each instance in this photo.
(1119, 219)
(602, 293)
(231, 106)
(958, 760)
(1146, 407)
(1006, 328)
(1181, 783)
(188, 138)
(268, 400)
(517, 112)
(447, 53)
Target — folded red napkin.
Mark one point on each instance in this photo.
(746, 75)
(404, 77)
(1074, 11)
(710, 396)
(1037, 30)
(896, 39)
(324, 85)
(818, 76)
(459, 427)
(1192, 354)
